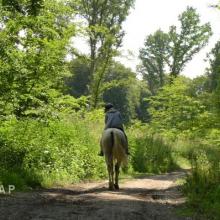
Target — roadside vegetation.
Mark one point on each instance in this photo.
(51, 106)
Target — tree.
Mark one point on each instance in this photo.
(184, 45)
(143, 102)
(153, 56)
(171, 51)
(104, 20)
(213, 74)
(30, 7)
(174, 109)
(120, 88)
(78, 82)
(33, 46)
(214, 69)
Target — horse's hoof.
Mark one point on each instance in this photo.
(116, 186)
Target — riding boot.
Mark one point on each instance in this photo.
(101, 154)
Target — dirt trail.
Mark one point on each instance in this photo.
(153, 198)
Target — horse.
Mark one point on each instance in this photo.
(113, 144)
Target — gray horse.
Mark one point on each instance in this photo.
(113, 144)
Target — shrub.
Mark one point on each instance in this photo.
(44, 153)
(203, 184)
(150, 152)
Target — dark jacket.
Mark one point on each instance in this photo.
(113, 119)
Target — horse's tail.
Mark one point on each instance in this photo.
(118, 149)
(112, 139)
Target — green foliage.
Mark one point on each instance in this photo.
(154, 56)
(172, 50)
(214, 70)
(150, 152)
(184, 114)
(123, 90)
(44, 153)
(32, 52)
(214, 75)
(104, 33)
(79, 80)
(174, 109)
(120, 87)
(30, 7)
(192, 37)
(143, 103)
(202, 185)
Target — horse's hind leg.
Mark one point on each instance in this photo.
(111, 175)
(117, 167)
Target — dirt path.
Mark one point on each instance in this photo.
(153, 198)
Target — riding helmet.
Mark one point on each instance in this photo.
(108, 106)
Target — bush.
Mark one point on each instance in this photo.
(150, 152)
(44, 153)
(203, 184)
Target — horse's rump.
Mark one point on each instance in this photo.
(113, 144)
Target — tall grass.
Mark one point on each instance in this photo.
(59, 151)
(203, 184)
(150, 152)
(157, 153)
(43, 153)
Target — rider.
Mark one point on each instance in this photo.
(113, 119)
